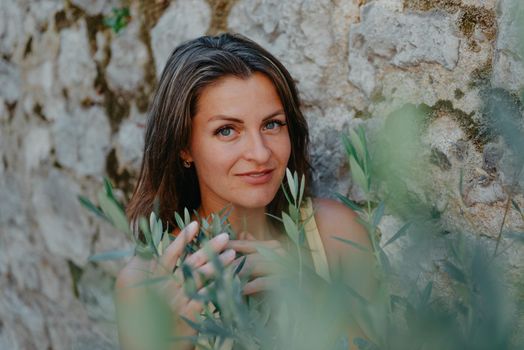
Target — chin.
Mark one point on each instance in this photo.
(255, 201)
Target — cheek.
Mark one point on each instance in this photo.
(215, 159)
(285, 150)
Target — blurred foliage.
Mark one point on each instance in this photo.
(460, 300)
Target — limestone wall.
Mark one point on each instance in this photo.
(74, 95)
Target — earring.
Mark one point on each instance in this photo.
(187, 164)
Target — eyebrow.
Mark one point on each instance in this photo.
(236, 120)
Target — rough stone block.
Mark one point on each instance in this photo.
(9, 81)
(129, 56)
(183, 20)
(508, 64)
(402, 39)
(77, 70)
(61, 220)
(82, 140)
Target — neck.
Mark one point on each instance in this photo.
(244, 220)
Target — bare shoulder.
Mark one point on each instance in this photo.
(334, 219)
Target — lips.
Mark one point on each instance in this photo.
(256, 173)
(257, 177)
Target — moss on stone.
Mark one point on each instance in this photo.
(450, 6)
(76, 273)
(94, 24)
(470, 17)
(362, 114)
(151, 11)
(439, 159)
(475, 130)
(473, 16)
(121, 178)
(481, 76)
(221, 9)
(145, 93)
(117, 107)
(66, 17)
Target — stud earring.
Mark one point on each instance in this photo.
(186, 164)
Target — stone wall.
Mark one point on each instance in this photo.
(74, 95)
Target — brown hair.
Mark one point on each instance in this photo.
(191, 67)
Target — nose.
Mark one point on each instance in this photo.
(257, 149)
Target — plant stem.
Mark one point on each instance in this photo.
(506, 210)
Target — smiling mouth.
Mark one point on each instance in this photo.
(257, 177)
(257, 173)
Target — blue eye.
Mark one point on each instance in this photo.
(224, 131)
(274, 124)
(271, 125)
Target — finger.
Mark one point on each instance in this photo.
(196, 278)
(209, 269)
(244, 235)
(255, 265)
(176, 248)
(249, 247)
(193, 307)
(259, 285)
(217, 244)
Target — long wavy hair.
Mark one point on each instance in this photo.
(164, 183)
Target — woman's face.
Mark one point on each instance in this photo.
(240, 143)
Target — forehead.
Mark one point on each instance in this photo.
(235, 96)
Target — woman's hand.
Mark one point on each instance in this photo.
(138, 270)
(257, 267)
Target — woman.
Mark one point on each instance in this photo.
(224, 124)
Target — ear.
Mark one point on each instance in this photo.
(186, 155)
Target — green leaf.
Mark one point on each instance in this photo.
(240, 265)
(288, 199)
(187, 217)
(144, 251)
(144, 227)
(274, 217)
(403, 230)
(114, 212)
(348, 203)
(454, 272)
(294, 213)
(156, 229)
(384, 260)
(291, 184)
(378, 214)
(301, 236)
(358, 175)
(516, 205)
(357, 143)
(179, 222)
(426, 294)
(291, 228)
(352, 243)
(166, 240)
(350, 150)
(108, 188)
(216, 228)
(295, 182)
(91, 207)
(302, 187)
(111, 255)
